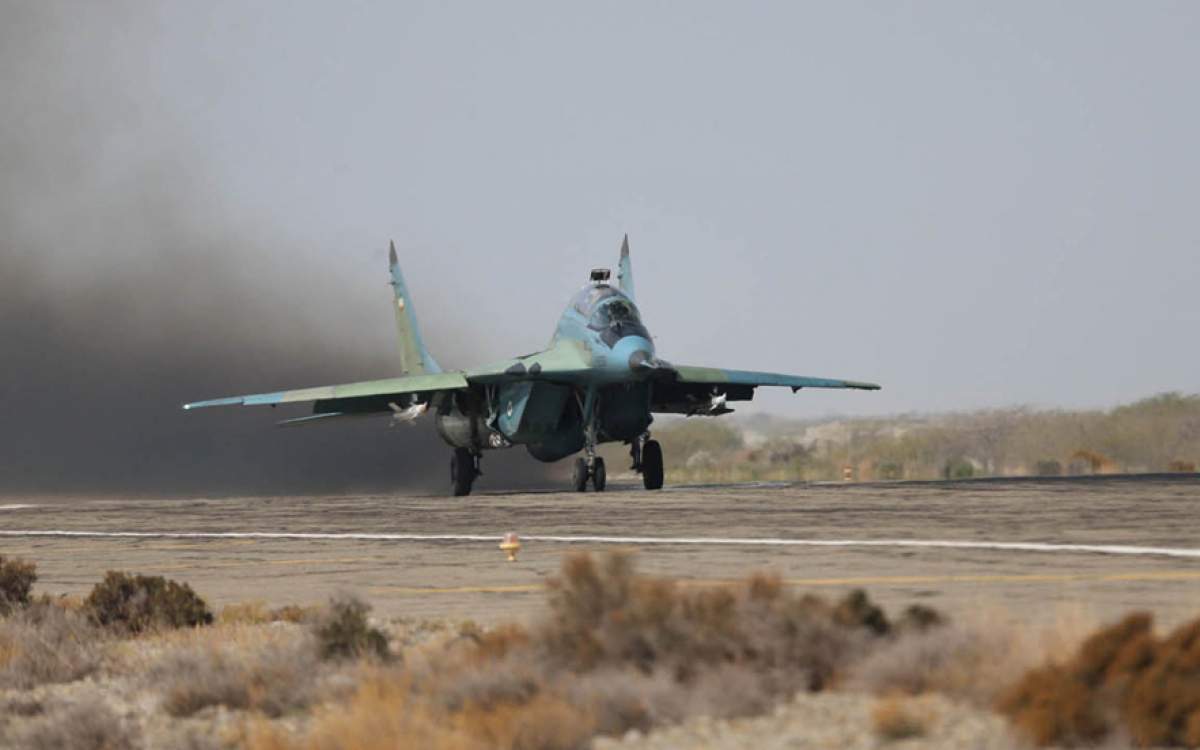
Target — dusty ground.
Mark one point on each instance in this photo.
(459, 578)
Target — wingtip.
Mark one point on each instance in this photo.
(231, 401)
(625, 246)
(392, 252)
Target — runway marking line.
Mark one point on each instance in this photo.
(526, 588)
(1102, 549)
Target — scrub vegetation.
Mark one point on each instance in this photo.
(1122, 682)
(613, 651)
(16, 581)
(1157, 434)
(137, 603)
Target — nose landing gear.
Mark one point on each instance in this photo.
(589, 466)
(581, 473)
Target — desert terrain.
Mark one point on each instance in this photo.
(729, 616)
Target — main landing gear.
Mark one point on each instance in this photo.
(648, 461)
(464, 467)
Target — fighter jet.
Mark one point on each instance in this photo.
(599, 380)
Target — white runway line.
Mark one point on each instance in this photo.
(17, 506)
(1098, 549)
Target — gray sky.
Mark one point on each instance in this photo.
(975, 205)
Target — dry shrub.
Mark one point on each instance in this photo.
(343, 631)
(16, 581)
(616, 651)
(85, 724)
(1122, 678)
(899, 718)
(45, 643)
(274, 678)
(602, 614)
(917, 618)
(137, 603)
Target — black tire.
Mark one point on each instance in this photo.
(599, 475)
(652, 465)
(462, 472)
(579, 475)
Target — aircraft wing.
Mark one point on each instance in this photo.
(689, 374)
(349, 398)
(683, 389)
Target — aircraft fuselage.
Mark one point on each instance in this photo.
(601, 328)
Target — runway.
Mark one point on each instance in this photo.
(1027, 548)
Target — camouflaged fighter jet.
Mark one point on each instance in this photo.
(599, 380)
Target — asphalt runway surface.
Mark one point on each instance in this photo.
(1024, 549)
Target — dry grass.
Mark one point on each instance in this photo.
(244, 613)
(602, 614)
(616, 651)
(1121, 679)
(387, 712)
(275, 678)
(87, 723)
(45, 643)
(135, 656)
(294, 613)
(899, 717)
(257, 613)
(972, 660)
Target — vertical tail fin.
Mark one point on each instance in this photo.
(625, 271)
(414, 358)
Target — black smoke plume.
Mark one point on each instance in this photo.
(128, 287)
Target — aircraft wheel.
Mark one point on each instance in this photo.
(579, 476)
(462, 471)
(652, 465)
(599, 475)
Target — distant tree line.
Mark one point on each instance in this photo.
(1156, 434)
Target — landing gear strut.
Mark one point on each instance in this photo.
(590, 466)
(464, 467)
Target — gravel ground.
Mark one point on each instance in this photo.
(829, 721)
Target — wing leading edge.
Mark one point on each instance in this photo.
(688, 374)
(706, 390)
(366, 392)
